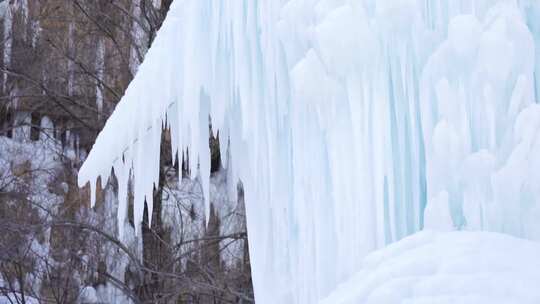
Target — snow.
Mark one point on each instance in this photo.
(3, 8)
(88, 295)
(20, 161)
(352, 125)
(454, 267)
(32, 167)
(17, 298)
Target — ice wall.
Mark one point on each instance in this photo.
(352, 124)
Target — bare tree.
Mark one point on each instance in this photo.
(70, 62)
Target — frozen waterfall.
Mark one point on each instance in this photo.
(352, 124)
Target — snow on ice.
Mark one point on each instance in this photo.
(455, 267)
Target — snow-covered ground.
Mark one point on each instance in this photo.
(451, 268)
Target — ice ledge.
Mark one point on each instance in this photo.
(454, 267)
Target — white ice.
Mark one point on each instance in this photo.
(454, 267)
(352, 124)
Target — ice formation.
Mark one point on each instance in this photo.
(456, 267)
(351, 124)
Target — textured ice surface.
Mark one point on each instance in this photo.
(454, 267)
(352, 124)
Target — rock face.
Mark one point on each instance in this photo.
(65, 65)
(65, 61)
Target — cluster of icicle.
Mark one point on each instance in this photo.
(350, 123)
